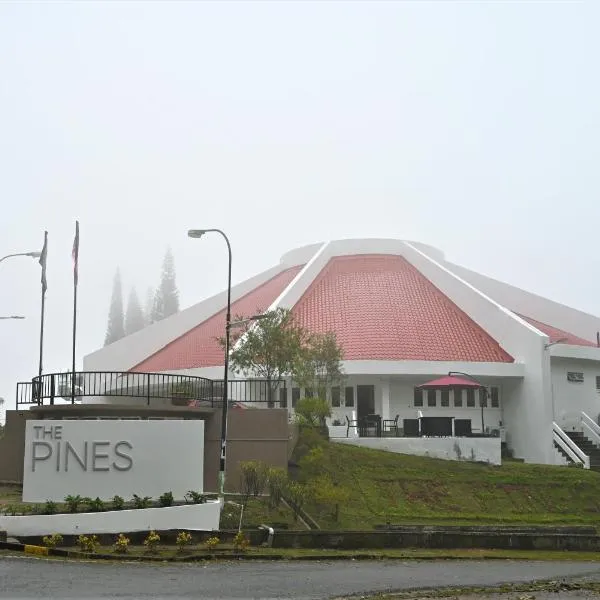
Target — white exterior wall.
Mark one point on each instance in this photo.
(570, 399)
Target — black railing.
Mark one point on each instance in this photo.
(182, 390)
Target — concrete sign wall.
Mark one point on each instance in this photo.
(104, 458)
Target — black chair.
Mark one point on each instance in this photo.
(391, 426)
(351, 423)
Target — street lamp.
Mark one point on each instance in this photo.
(13, 317)
(487, 393)
(198, 233)
(30, 254)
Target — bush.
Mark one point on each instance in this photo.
(73, 503)
(240, 542)
(312, 412)
(276, 483)
(141, 502)
(121, 544)
(254, 478)
(51, 541)
(195, 497)
(297, 494)
(95, 504)
(184, 538)
(50, 508)
(88, 543)
(211, 543)
(152, 541)
(117, 503)
(166, 499)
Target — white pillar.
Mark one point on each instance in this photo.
(385, 399)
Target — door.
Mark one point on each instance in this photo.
(365, 400)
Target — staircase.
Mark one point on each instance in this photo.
(588, 448)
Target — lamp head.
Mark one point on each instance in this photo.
(34, 254)
(196, 233)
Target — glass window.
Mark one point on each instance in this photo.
(308, 393)
(418, 397)
(470, 398)
(458, 400)
(283, 397)
(335, 396)
(482, 397)
(349, 395)
(431, 397)
(445, 401)
(495, 397)
(295, 396)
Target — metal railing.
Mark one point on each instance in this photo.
(186, 390)
(569, 447)
(590, 428)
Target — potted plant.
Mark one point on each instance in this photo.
(182, 394)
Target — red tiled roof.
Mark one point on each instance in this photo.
(556, 334)
(382, 308)
(199, 347)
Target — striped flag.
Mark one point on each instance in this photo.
(43, 258)
(75, 254)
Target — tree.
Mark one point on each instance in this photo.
(134, 317)
(148, 305)
(268, 348)
(312, 411)
(116, 326)
(166, 298)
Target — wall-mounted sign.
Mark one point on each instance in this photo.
(104, 458)
(574, 377)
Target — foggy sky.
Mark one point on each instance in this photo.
(470, 126)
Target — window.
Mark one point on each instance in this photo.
(349, 396)
(445, 402)
(470, 398)
(495, 397)
(283, 397)
(458, 397)
(418, 397)
(308, 393)
(483, 397)
(335, 396)
(431, 396)
(295, 396)
(598, 383)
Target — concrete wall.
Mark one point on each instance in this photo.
(450, 448)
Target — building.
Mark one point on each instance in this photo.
(404, 316)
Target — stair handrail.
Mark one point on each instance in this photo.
(591, 427)
(575, 453)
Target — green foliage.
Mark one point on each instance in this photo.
(73, 503)
(121, 544)
(88, 543)
(195, 497)
(94, 504)
(118, 503)
(277, 480)
(51, 541)
(184, 538)
(325, 492)
(297, 494)
(211, 543)
(166, 499)
(152, 541)
(240, 542)
(50, 508)
(141, 501)
(253, 475)
(166, 299)
(115, 329)
(312, 412)
(134, 316)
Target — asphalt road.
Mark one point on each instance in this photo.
(22, 577)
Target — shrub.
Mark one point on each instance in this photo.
(51, 541)
(88, 543)
(141, 502)
(152, 541)
(121, 544)
(184, 538)
(312, 411)
(50, 508)
(166, 499)
(212, 542)
(95, 504)
(117, 503)
(254, 478)
(297, 495)
(195, 497)
(73, 503)
(240, 542)
(276, 483)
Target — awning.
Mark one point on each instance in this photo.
(450, 381)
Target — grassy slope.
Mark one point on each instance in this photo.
(409, 489)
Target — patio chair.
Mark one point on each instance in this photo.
(391, 426)
(351, 423)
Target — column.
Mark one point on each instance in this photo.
(385, 399)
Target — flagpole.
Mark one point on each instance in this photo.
(75, 281)
(43, 259)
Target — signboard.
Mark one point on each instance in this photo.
(104, 458)
(574, 377)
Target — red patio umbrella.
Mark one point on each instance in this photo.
(450, 381)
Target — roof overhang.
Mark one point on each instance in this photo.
(575, 352)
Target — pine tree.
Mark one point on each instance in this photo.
(115, 329)
(134, 317)
(166, 299)
(148, 306)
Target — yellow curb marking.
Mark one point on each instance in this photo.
(40, 550)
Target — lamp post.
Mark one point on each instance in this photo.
(484, 387)
(198, 233)
(30, 254)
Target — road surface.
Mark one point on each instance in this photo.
(22, 577)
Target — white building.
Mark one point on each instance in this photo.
(403, 316)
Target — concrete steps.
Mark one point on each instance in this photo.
(588, 448)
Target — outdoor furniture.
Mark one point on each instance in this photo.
(391, 426)
(370, 426)
(411, 427)
(436, 426)
(351, 423)
(462, 427)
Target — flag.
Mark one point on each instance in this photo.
(75, 254)
(43, 257)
